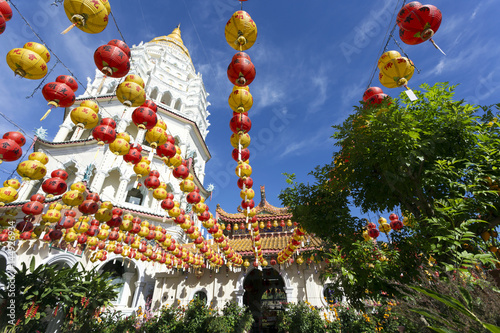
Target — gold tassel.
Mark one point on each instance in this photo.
(68, 29)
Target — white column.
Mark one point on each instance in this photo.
(26, 189)
(139, 286)
(64, 130)
(123, 123)
(127, 288)
(122, 188)
(77, 134)
(98, 181)
(141, 133)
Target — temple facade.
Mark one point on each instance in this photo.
(173, 84)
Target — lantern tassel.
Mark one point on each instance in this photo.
(436, 46)
(68, 29)
(46, 114)
(101, 84)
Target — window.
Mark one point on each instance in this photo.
(328, 294)
(201, 295)
(134, 196)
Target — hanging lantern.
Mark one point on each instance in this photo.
(156, 137)
(8, 193)
(241, 71)
(5, 14)
(160, 193)
(166, 150)
(193, 197)
(418, 23)
(90, 16)
(243, 154)
(142, 168)
(60, 93)
(34, 168)
(57, 184)
(10, 146)
(243, 170)
(245, 181)
(181, 171)
(120, 146)
(30, 61)
(240, 122)
(84, 117)
(241, 31)
(134, 155)
(240, 100)
(105, 133)
(74, 197)
(112, 59)
(152, 182)
(240, 138)
(131, 92)
(144, 117)
(187, 185)
(374, 95)
(395, 71)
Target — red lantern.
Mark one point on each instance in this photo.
(144, 118)
(105, 133)
(152, 182)
(418, 23)
(396, 225)
(2, 24)
(373, 233)
(245, 154)
(112, 60)
(240, 123)
(193, 197)
(247, 204)
(151, 105)
(181, 172)
(242, 226)
(248, 182)
(374, 95)
(10, 146)
(55, 234)
(57, 184)
(180, 219)
(371, 225)
(393, 217)
(241, 71)
(205, 216)
(134, 155)
(88, 207)
(167, 204)
(166, 150)
(5, 14)
(60, 93)
(170, 139)
(121, 45)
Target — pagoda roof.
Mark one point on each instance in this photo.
(265, 211)
(271, 244)
(173, 39)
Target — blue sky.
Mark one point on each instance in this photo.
(313, 59)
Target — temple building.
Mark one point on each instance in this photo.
(172, 83)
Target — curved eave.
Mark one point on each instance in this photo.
(277, 214)
(166, 111)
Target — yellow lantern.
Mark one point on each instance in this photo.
(247, 194)
(78, 186)
(240, 100)
(90, 16)
(70, 236)
(30, 61)
(384, 227)
(395, 71)
(300, 260)
(90, 104)
(289, 223)
(250, 213)
(160, 193)
(240, 138)
(262, 225)
(73, 198)
(156, 137)
(241, 31)
(119, 147)
(8, 193)
(175, 211)
(104, 214)
(243, 169)
(34, 168)
(130, 94)
(136, 79)
(81, 226)
(386, 57)
(246, 264)
(126, 225)
(123, 135)
(53, 214)
(275, 223)
(84, 117)
(187, 185)
(142, 168)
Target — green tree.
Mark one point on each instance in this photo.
(436, 159)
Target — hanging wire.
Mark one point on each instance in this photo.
(403, 51)
(43, 81)
(387, 40)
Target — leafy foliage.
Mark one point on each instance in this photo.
(436, 159)
(44, 290)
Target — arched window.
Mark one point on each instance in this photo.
(178, 105)
(201, 295)
(134, 196)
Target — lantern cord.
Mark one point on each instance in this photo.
(43, 81)
(123, 39)
(387, 42)
(403, 51)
